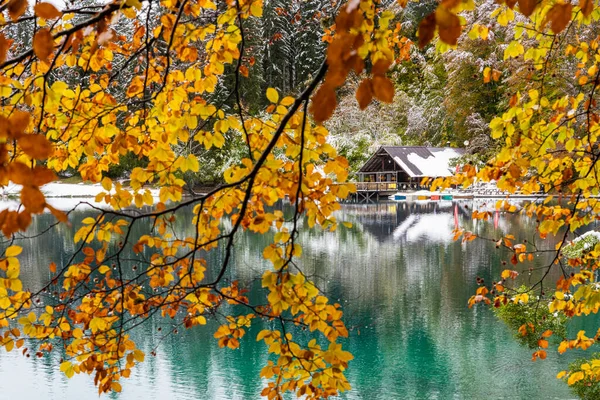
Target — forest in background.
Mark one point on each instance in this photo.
(442, 98)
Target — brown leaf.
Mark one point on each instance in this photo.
(16, 8)
(46, 11)
(450, 4)
(448, 25)
(4, 46)
(36, 146)
(43, 44)
(32, 199)
(559, 17)
(511, 3)
(59, 215)
(587, 6)
(20, 173)
(381, 66)
(42, 175)
(426, 30)
(383, 89)
(19, 121)
(357, 64)
(323, 103)
(527, 7)
(364, 94)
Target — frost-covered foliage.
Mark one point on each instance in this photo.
(528, 320)
(580, 245)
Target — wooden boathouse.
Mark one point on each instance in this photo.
(402, 168)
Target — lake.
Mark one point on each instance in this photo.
(403, 284)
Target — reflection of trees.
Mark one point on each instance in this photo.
(402, 284)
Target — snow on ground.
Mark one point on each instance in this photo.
(63, 196)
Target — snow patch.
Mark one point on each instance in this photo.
(438, 165)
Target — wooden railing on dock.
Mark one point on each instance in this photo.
(386, 186)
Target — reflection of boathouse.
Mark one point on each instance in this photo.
(408, 220)
(397, 168)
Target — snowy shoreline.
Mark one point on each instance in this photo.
(62, 196)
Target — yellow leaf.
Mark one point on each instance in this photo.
(106, 183)
(13, 251)
(138, 355)
(575, 377)
(116, 387)
(272, 95)
(67, 368)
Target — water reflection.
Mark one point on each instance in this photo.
(404, 285)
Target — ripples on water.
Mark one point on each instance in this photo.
(404, 285)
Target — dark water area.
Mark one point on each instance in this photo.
(403, 284)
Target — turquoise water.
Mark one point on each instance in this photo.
(404, 286)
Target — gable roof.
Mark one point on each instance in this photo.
(417, 161)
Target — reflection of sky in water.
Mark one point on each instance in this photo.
(404, 285)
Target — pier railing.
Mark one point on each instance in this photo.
(386, 186)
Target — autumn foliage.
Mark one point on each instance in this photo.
(81, 87)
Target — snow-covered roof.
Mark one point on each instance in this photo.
(416, 161)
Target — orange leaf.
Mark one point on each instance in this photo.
(32, 199)
(42, 175)
(47, 11)
(52, 267)
(450, 4)
(448, 25)
(323, 103)
(59, 215)
(36, 146)
(527, 6)
(547, 333)
(587, 6)
(19, 121)
(364, 94)
(16, 8)
(43, 44)
(487, 75)
(381, 66)
(426, 30)
(4, 46)
(559, 16)
(383, 89)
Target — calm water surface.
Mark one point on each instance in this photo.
(404, 285)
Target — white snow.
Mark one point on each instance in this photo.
(409, 171)
(62, 196)
(439, 165)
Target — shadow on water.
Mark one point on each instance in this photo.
(403, 283)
